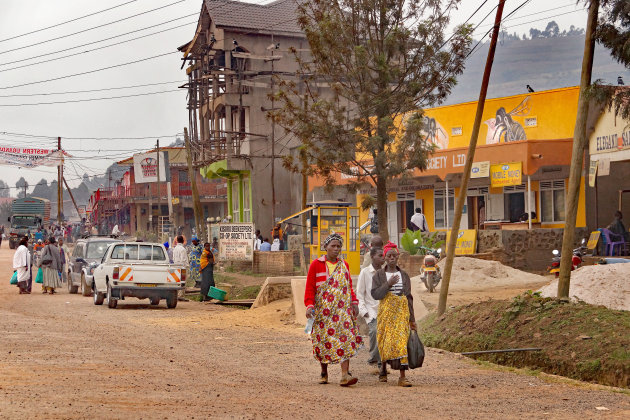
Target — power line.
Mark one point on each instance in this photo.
(91, 71)
(67, 21)
(91, 138)
(91, 90)
(92, 99)
(90, 29)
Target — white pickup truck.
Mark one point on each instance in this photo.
(137, 269)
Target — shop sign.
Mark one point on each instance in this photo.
(603, 167)
(145, 167)
(592, 173)
(480, 170)
(236, 241)
(506, 174)
(593, 239)
(466, 241)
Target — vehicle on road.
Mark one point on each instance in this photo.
(430, 273)
(576, 259)
(137, 269)
(27, 215)
(87, 255)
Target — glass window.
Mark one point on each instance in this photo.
(118, 253)
(96, 249)
(158, 254)
(145, 252)
(552, 201)
(439, 202)
(125, 252)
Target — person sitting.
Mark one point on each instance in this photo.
(276, 245)
(265, 246)
(617, 229)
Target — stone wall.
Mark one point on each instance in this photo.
(278, 263)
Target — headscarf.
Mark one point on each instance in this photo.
(333, 237)
(166, 245)
(389, 245)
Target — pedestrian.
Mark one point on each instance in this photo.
(331, 303)
(368, 306)
(22, 264)
(258, 240)
(215, 246)
(617, 229)
(64, 253)
(277, 231)
(1, 234)
(180, 257)
(51, 267)
(395, 318)
(194, 255)
(206, 263)
(419, 221)
(265, 246)
(169, 252)
(375, 242)
(276, 246)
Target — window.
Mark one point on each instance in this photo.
(439, 200)
(552, 196)
(158, 254)
(456, 131)
(125, 252)
(246, 205)
(235, 213)
(531, 122)
(97, 249)
(145, 252)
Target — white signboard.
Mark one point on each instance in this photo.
(145, 167)
(29, 157)
(236, 241)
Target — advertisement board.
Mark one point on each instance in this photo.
(480, 169)
(145, 167)
(466, 241)
(506, 174)
(236, 241)
(29, 157)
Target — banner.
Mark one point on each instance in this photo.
(466, 241)
(480, 169)
(592, 173)
(236, 241)
(506, 174)
(28, 157)
(145, 167)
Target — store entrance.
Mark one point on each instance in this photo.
(515, 206)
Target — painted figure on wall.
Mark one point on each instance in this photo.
(435, 133)
(503, 128)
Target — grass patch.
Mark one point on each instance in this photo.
(579, 341)
(248, 292)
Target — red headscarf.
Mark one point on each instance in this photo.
(389, 245)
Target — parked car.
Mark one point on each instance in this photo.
(87, 255)
(141, 270)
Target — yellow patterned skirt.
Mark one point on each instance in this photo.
(392, 330)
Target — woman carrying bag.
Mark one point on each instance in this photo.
(51, 267)
(395, 319)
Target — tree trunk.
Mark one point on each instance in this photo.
(381, 207)
(580, 141)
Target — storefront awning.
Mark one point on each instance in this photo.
(219, 170)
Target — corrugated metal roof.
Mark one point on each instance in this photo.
(277, 16)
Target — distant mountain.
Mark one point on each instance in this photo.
(543, 63)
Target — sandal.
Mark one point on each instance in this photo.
(382, 378)
(324, 378)
(404, 382)
(347, 380)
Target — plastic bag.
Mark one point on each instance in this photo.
(39, 278)
(14, 278)
(415, 351)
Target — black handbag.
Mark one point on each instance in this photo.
(415, 351)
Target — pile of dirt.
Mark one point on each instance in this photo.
(475, 274)
(578, 340)
(606, 285)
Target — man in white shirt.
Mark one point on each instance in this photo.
(180, 257)
(22, 264)
(419, 221)
(368, 306)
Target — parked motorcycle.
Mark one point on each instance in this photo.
(430, 273)
(576, 260)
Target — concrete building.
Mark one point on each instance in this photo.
(234, 62)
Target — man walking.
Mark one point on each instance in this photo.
(180, 257)
(22, 264)
(368, 306)
(419, 221)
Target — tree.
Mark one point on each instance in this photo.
(5, 190)
(384, 61)
(22, 186)
(552, 30)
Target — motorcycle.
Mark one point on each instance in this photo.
(576, 259)
(430, 272)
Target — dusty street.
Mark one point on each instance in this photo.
(63, 357)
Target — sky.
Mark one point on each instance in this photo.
(97, 129)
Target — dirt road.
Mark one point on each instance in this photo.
(63, 357)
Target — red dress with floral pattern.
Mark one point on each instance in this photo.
(335, 335)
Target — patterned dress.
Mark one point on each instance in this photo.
(334, 335)
(194, 258)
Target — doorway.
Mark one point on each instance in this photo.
(515, 206)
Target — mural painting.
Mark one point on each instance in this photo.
(435, 133)
(503, 128)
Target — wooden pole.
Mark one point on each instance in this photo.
(193, 185)
(71, 196)
(159, 193)
(273, 147)
(580, 141)
(463, 189)
(59, 180)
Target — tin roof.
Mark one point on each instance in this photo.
(277, 16)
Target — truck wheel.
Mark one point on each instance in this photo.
(171, 300)
(154, 301)
(111, 302)
(71, 287)
(98, 298)
(85, 290)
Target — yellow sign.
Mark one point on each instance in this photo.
(506, 174)
(466, 242)
(593, 239)
(175, 200)
(592, 173)
(480, 170)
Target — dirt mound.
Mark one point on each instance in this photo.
(606, 285)
(475, 274)
(578, 340)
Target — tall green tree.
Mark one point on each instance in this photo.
(373, 64)
(5, 190)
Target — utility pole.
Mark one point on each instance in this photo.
(71, 196)
(580, 142)
(273, 141)
(463, 190)
(59, 180)
(193, 186)
(157, 147)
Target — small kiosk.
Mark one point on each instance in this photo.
(326, 217)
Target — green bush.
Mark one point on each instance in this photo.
(425, 241)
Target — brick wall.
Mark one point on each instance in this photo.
(278, 263)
